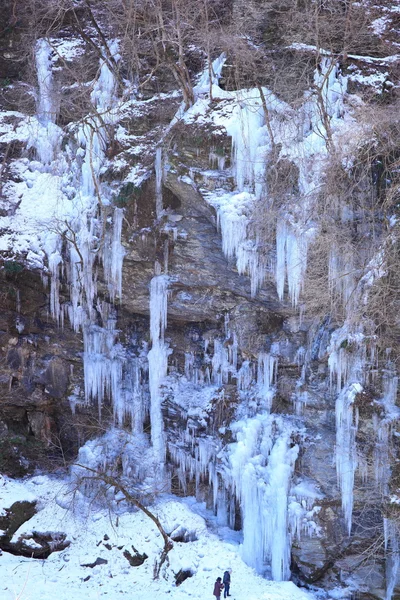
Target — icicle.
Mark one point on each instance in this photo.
(245, 376)
(158, 363)
(346, 451)
(136, 397)
(392, 551)
(113, 256)
(291, 260)
(216, 160)
(103, 364)
(221, 365)
(158, 307)
(250, 147)
(189, 364)
(233, 210)
(197, 461)
(159, 177)
(382, 430)
(300, 396)
(55, 261)
(267, 365)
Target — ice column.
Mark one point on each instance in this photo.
(94, 135)
(267, 365)
(158, 362)
(392, 556)
(291, 260)
(382, 430)
(81, 270)
(249, 142)
(137, 397)
(346, 451)
(45, 80)
(113, 256)
(261, 472)
(46, 135)
(55, 262)
(103, 363)
(159, 177)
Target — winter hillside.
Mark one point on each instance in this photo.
(199, 298)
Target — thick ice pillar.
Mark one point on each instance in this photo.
(158, 363)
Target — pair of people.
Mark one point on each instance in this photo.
(223, 585)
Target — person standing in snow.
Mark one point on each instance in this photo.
(227, 582)
(218, 587)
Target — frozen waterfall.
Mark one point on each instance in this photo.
(262, 464)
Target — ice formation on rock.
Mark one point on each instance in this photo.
(158, 167)
(113, 256)
(351, 354)
(252, 144)
(261, 467)
(254, 471)
(45, 134)
(346, 450)
(158, 363)
(392, 550)
(291, 260)
(383, 426)
(266, 372)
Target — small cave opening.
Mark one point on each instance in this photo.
(170, 200)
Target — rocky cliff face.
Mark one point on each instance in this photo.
(168, 314)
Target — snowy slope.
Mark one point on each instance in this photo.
(90, 529)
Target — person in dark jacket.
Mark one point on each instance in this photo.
(227, 582)
(218, 587)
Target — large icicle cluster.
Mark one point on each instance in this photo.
(245, 122)
(91, 230)
(256, 470)
(348, 368)
(352, 354)
(89, 237)
(250, 147)
(262, 463)
(81, 220)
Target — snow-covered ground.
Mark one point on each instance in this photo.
(96, 532)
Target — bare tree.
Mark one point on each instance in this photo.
(109, 482)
